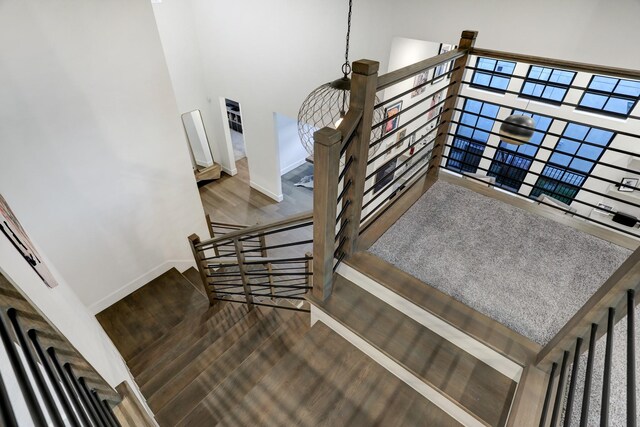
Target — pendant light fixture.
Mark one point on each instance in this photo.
(327, 105)
(517, 129)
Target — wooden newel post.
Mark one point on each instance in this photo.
(200, 263)
(326, 165)
(467, 40)
(364, 83)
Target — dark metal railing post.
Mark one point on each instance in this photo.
(111, 415)
(28, 352)
(100, 407)
(20, 372)
(82, 395)
(547, 396)
(586, 396)
(46, 363)
(75, 399)
(555, 415)
(631, 359)
(92, 402)
(7, 416)
(572, 383)
(606, 381)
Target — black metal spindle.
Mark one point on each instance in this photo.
(7, 416)
(20, 372)
(66, 383)
(572, 383)
(606, 381)
(555, 415)
(547, 396)
(586, 396)
(83, 396)
(109, 411)
(99, 407)
(92, 401)
(62, 398)
(43, 388)
(631, 359)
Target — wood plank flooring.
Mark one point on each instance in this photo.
(472, 384)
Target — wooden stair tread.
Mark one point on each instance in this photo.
(325, 380)
(228, 394)
(481, 327)
(193, 383)
(211, 324)
(474, 385)
(193, 276)
(170, 378)
(147, 314)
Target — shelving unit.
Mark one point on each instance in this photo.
(233, 115)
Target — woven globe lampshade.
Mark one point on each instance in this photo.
(326, 106)
(517, 129)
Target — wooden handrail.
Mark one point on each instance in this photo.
(558, 63)
(256, 229)
(350, 124)
(401, 74)
(611, 294)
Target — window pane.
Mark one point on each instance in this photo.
(560, 159)
(591, 100)
(628, 87)
(486, 63)
(568, 146)
(481, 79)
(500, 82)
(490, 110)
(618, 105)
(464, 131)
(546, 72)
(602, 83)
(554, 93)
(472, 106)
(576, 131)
(581, 165)
(485, 124)
(562, 77)
(589, 151)
(599, 136)
(506, 67)
(535, 73)
(469, 119)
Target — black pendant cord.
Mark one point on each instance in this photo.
(346, 67)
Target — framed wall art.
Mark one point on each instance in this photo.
(391, 114)
(384, 175)
(628, 185)
(418, 80)
(441, 69)
(12, 230)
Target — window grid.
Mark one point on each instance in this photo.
(571, 162)
(472, 134)
(511, 162)
(547, 84)
(610, 96)
(492, 74)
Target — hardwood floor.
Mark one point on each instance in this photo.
(231, 199)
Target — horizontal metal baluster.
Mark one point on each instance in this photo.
(7, 416)
(99, 407)
(83, 396)
(75, 399)
(110, 413)
(555, 415)
(572, 383)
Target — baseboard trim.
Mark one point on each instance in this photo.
(292, 166)
(276, 197)
(228, 171)
(430, 393)
(452, 334)
(137, 283)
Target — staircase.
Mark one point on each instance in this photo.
(228, 365)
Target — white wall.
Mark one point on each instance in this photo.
(292, 153)
(94, 160)
(269, 55)
(175, 21)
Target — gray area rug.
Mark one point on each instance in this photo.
(525, 271)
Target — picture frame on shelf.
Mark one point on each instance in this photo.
(391, 114)
(399, 138)
(628, 185)
(419, 81)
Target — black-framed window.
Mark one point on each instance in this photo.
(609, 95)
(471, 135)
(547, 84)
(512, 162)
(574, 157)
(492, 74)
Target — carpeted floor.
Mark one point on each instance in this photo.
(527, 272)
